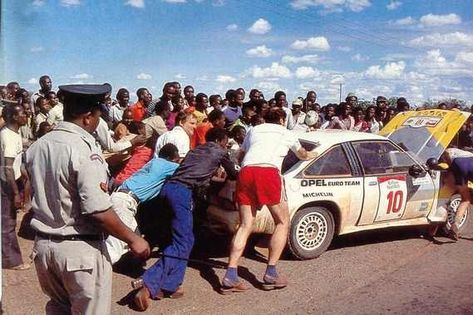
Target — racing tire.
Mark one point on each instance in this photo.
(451, 210)
(311, 232)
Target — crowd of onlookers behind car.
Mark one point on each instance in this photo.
(130, 133)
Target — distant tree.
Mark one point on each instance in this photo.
(451, 103)
(365, 103)
(392, 101)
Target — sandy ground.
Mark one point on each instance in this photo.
(380, 272)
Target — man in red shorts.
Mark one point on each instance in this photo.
(260, 183)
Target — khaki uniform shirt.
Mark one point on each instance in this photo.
(69, 179)
(154, 125)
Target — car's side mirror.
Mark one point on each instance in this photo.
(416, 171)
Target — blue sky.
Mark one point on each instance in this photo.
(417, 49)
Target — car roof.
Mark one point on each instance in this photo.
(330, 137)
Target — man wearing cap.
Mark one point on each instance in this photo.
(298, 116)
(352, 100)
(72, 212)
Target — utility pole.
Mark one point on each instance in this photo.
(341, 84)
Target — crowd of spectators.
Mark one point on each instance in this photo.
(132, 133)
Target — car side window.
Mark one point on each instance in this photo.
(333, 162)
(381, 157)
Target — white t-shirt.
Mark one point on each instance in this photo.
(176, 136)
(458, 153)
(268, 144)
(11, 146)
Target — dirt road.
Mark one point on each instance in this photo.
(394, 272)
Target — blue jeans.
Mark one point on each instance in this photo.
(168, 273)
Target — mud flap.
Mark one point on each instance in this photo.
(439, 215)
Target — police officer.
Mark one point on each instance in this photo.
(71, 210)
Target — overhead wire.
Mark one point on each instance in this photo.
(344, 30)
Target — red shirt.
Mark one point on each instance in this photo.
(199, 134)
(139, 110)
(140, 156)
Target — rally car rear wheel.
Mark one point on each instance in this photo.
(311, 232)
(452, 210)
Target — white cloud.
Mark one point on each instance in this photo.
(136, 3)
(218, 3)
(225, 79)
(405, 21)
(232, 27)
(202, 78)
(359, 57)
(464, 57)
(316, 43)
(396, 56)
(339, 79)
(436, 64)
(391, 70)
(180, 76)
(38, 3)
(175, 1)
(439, 20)
(306, 72)
(344, 48)
(37, 49)
(70, 3)
(268, 87)
(260, 27)
(82, 76)
(32, 81)
(312, 59)
(332, 5)
(274, 71)
(144, 76)
(260, 51)
(454, 40)
(393, 5)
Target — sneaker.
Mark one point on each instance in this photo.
(272, 283)
(231, 287)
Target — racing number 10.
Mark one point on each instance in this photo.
(394, 201)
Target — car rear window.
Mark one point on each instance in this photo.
(291, 159)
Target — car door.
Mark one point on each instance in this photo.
(391, 191)
(331, 178)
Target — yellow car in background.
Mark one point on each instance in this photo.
(358, 182)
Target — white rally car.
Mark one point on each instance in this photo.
(359, 181)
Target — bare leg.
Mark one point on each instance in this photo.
(247, 217)
(462, 208)
(280, 213)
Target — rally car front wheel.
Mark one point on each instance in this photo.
(452, 210)
(311, 232)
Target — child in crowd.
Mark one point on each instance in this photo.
(140, 155)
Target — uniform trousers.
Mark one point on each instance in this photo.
(168, 273)
(76, 275)
(11, 254)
